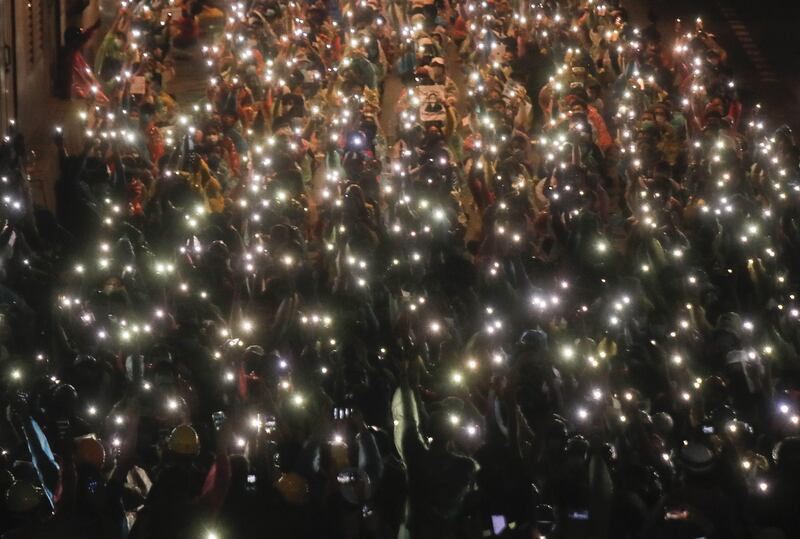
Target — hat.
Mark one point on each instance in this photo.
(184, 441)
(730, 322)
(534, 340)
(355, 486)
(697, 457)
(663, 423)
(89, 450)
(23, 496)
(293, 487)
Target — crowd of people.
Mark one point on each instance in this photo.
(415, 269)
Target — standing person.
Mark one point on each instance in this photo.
(182, 497)
(76, 78)
(438, 477)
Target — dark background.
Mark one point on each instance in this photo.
(774, 29)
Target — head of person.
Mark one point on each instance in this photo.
(183, 442)
(293, 488)
(661, 114)
(713, 58)
(437, 69)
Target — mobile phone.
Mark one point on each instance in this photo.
(342, 413)
(498, 524)
(91, 486)
(578, 515)
(708, 429)
(218, 418)
(343, 478)
(252, 481)
(678, 514)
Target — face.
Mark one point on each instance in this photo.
(577, 110)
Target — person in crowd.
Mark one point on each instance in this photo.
(427, 269)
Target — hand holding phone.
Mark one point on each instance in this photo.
(218, 418)
(498, 524)
(252, 482)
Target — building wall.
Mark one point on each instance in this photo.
(7, 61)
(33, 31)
(39, 31)
(36, 55)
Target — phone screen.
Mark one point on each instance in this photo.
(498, 524)
(578, 515)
